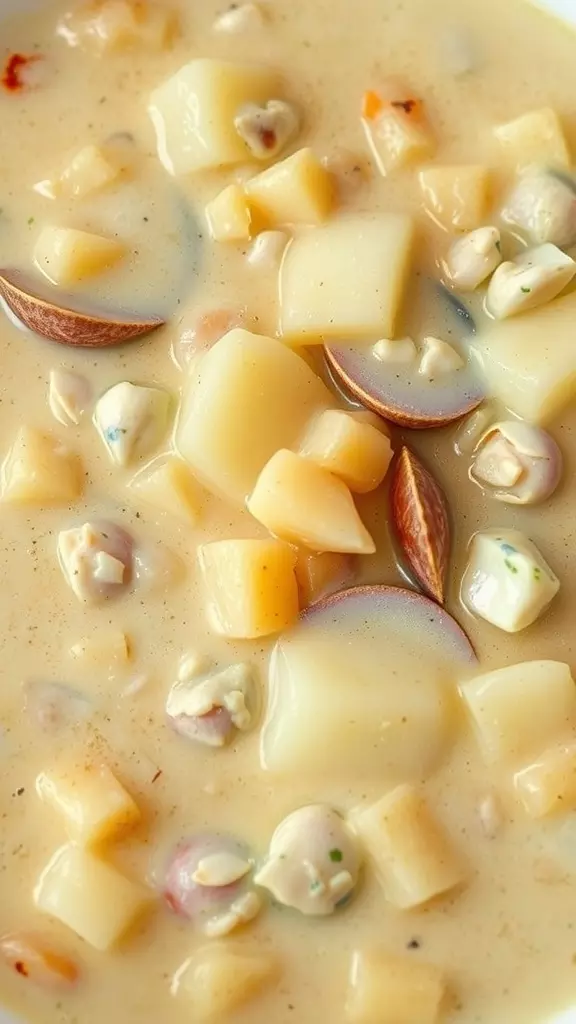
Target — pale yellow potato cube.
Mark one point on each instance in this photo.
(529, 362)
(90, 897)
(305, 504)
(250, 587)
(93, 803)
(110, 26)
(168, 485)
(220, 977)
(246, 398)
(534, 138)
(355, 451)
(228, 215)
(89, 171)
(518, 710)
(456, 197)
(549, 783)
(297, 190)
(39, 470)
(386, 989)
(398, 139)
(107, 650)
(66, 256)
(322, 573)
(412, 855)
(193, 113)
(346, 279)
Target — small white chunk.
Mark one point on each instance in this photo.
(108, 569)
(544, 207)
(490, 815)
(240, 18)
(267, 128)
(190, 700)
(438, 358)
(473, 258)
(534, 278)
(507, 582)
(242, 911)
(131, 420)
(399, 351)
(68, 396)
(220, 869)
(497, 463)
(267, 250)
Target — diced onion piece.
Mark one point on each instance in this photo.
(473, 258)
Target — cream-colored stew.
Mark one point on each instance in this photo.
(288, 726)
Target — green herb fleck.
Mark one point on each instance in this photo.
(537, 573)
(30, 220)
(510, 565)
(525, 290)
(335, 856)
(315, 885)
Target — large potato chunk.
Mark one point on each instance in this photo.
(66, 256)
(94, 804)
(38, 470)
(193, 113)
(221, 977)
(247, 397)
(296, 191)
(352, 449)
(89, 896)
(456, 197)
(549, 783)
(529, 362)
(304, 503)
(534, 138)
(250, 585)
(412, 856)
(387, 989)
(346, 279)
(520, 709)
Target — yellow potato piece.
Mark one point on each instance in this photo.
(353, 450)
(456, 197)
(107, 650)
(66, 256)
(398, 140)
(94, 805)
(549, 783)
(320, 574)
(386, 989)
(219, 978)
(536, 137)
(90, 897)
(169, 486)
(89, 171)
(245, 399)
(193, 113)
(250, 587)
(39, 470)
(300, 501)
(413, 857)
(297, 190)
(228, 216)
(115, 25)
(346, 279)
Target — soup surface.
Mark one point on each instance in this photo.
(163, 707)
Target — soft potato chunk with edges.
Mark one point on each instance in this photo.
(220, 977)
(90, 897)
(66, 256)
(534, 138)
(193, 113)
(228, 216)
(386, 989)
(39, 470)
(297, 190)
(109, 26)
(412, 855)
(549, 783)
(106, 651)
(519, 710)
(346, 279)
(93, 803)
(168, 485)
(397, 138)
(356, 452)
(321, 574)
(456, 197)
(300, 501)
(90, 170)
(247, 397)
(250, 586)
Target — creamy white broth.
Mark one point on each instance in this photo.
(504, 940)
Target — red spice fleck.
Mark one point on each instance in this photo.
(21, 968)
(12, 79)
(406, 105)
(157, 776)
(268, 138)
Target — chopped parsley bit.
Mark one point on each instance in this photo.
(508, 549)
(315, 885)
(537, 573)
(525, 290)
(30, 220)
(510, 565)
(335, 856)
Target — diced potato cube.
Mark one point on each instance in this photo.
(115, 25)
(220, 977)
(228, 215)
(39, 470)
(398, 139)
(356, 452)
(94, 805)
(549, 783)
(518, 710)
(297, 190)
(66, 256)
(250, 587)
(108, 650)
(89, 896)
(529, 362)
(89, 171)
(534, 138)
(305, 504)
(346, 279)
(388, 989)
(168, 485)
(322, 574)
(193, 113)
(412, 856)
(246, 398)
(456, 197)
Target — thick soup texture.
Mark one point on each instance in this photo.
(288, 330)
